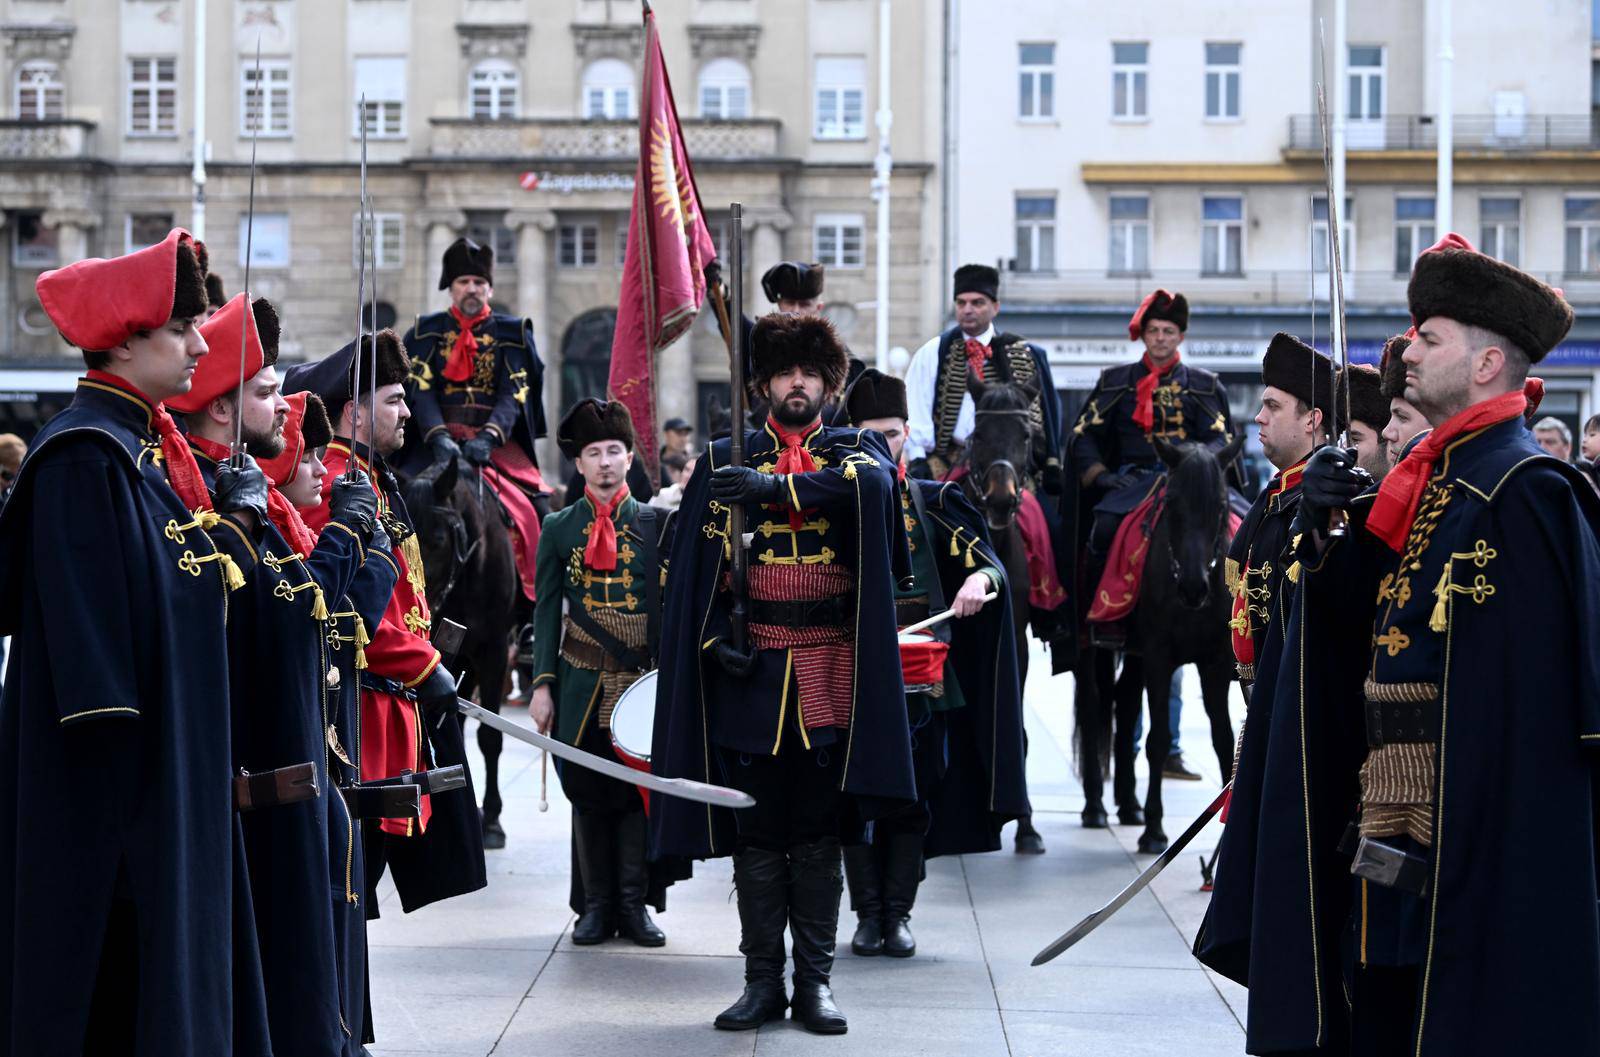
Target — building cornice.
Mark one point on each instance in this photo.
(1386, 167)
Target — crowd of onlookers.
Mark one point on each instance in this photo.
(1554, 437)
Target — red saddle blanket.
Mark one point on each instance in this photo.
(1044, 586)
(512, 475)
(1118, 590)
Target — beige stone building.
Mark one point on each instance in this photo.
(513, 121)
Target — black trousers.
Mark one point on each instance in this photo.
(1383, 1011)
(589, 792)
(797, 793)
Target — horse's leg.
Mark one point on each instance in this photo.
(1127, 694)
(1028, 841)
(1216, 680)
(489, 664)
(1089, 707)
(1157, 744)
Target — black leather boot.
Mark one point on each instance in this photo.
(596, 866)
(761, 880)
(902, 873)
(633, 884)
(815, 887)
(866, 898)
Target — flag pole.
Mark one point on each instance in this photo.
(738, 559)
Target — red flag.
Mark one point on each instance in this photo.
(663, 282)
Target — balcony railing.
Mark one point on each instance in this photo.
(1286, 289)
(576, 138)
(1473, 133)
(61, 140)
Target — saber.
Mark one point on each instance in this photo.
(236, 453)
(372, 364)
(1140, 883)
(940, 618)
(1337, 522)
(683, 788)
(361, 301)
(738, 557)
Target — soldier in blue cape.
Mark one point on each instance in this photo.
(966, 727)
(811, 718)
(114, 725)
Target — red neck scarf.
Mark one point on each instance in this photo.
(794, 458)
(1144, 391)
(464, 353)
(279, 509)
(1396, 506)
(977, 356)
(183, 473)
(600, 553)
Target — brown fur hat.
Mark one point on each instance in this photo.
(778, 342)
(794, 280)
(594, 420)
(1393, 368)
(189, 294)
(1476, 290)
(1368, 405)
(875, 395)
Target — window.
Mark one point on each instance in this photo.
(578, 245)
(1130, 74)
(1222, 82)
(841, 99)
(32, 244)
(390, 229)
(39, 95)
(1036, 233)
(1036, 85)
(622, 241)
(1500, 229)
(268, 238)
(274, 119)
(1364, 127)
(608, 90)
(152, 96)
(487, 227)
(146, 229)
(1130, 235)
(493, 90)
(1319, 234)
(1583, 236)
(1222, 235)
(838, 240)
(381, 80)
(725, 89)
(1413, 230)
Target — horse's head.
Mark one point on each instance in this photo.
(438, 513)
(1000, 448)
(1196, 515)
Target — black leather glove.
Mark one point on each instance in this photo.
(739, 665)
(1050, 479)
(438, 691)
(380, 539)
(741, 484)
(713, 274)
(1331, 480)
(241, 488)
(478, 450)
(353, 503)
(443, 446)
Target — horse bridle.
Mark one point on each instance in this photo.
(1005, 465)
(460, 552)
(1216, 548)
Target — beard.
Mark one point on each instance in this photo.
(794, 413)
(267, 443)
(471, 305)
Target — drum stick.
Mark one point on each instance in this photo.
(940, 618)
(544, 780)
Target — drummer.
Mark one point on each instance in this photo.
(599, 556)
(965, 794)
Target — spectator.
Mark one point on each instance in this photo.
(675, 469)
(1591, 438)
(675, 436)
(1554, 437)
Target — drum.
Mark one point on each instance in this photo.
(633, 722)
(922, 660)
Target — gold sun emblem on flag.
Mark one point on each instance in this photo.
(670, 188)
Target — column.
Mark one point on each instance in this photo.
(533, 227)
(72, 232)
(440, 227)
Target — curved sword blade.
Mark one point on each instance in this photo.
(1140, 883)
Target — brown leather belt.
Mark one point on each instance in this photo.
(590, 656)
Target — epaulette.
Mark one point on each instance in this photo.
(432, 325)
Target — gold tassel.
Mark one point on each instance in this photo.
(971, 562)
(1441, 610)
(361, 644)
(207, 519)
(319, 607)
(231, 574)
(955, 545)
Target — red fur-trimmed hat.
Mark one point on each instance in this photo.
(217, 373)
(1174, 308)
(306, 429)
(100, 303)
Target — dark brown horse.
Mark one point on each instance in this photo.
(998, 453)
(472, 580)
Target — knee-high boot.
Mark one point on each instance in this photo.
(761, 880)
(816, 885)
(866, 898)
(633, 884)
(902, 873)
(596, 865)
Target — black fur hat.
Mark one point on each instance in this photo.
(215, 294)
(332, 377)
(1392, 368)
(1174, 308)
(977, 279)
(792, 281)
(189, 293)
(1300, 371)
(1479, 291)
(778, 342)
(875, 395)
(465, 257)
(1368, 405)
(267, 329)
(594, 420)
(315, 425)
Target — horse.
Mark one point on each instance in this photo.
(472, 579)
(1001, 444)
(1182, 613)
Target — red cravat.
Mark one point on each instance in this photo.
(600, 553)
(464, 353)
(977, 356)
(183, 473)
(1144, 391)
(794, 459)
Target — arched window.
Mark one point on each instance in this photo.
(608, 90)
(724, 89)
(494, 90)
(39, 94)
